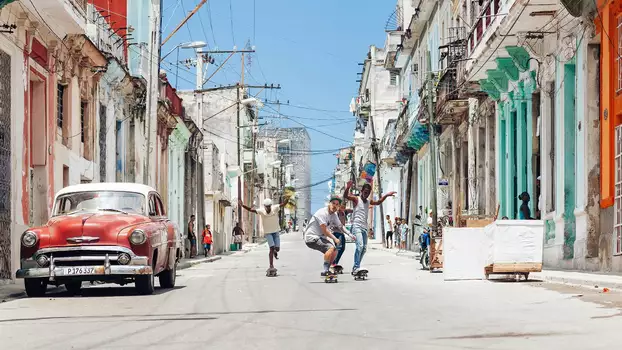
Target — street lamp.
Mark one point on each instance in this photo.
(188, 45)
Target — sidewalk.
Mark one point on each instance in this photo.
(404, 253)
(9, 291)
(581, 279)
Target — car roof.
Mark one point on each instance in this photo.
(108, 186)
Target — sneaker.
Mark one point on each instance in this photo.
(325, 273)
(276, 255)
(354, 271)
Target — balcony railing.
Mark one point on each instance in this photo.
(483, 21)
(81, 4)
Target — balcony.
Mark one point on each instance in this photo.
(485, 20)
(100, 34)
(500, 29)
(64, 16)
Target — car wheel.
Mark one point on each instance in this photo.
(145, 284)
(35, 287)
(167, 277)
(74, 287)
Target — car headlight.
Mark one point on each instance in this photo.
(29, 239)
(138, 237)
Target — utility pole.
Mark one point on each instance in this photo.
(254, 176)
(374, 146)
(239, 145)
(430, 88)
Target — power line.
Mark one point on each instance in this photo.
(231, 20)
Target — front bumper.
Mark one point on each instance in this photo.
(84, 266)
(66, 272)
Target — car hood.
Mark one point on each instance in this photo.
(91, 228)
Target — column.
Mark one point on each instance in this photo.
(500, 163)
(510, 160)
(472, 161)
(490, 165)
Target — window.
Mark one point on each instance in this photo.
(160, 207)
(83, 111)
(393, 77)
(152, 205)
(93, 201)
(617, 220)
(260, 144)
(60, 106)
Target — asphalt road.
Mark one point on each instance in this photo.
(231, 304)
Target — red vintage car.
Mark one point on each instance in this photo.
(103, 232)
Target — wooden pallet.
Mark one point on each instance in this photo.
(516, 269)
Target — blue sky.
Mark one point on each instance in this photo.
(311, 48)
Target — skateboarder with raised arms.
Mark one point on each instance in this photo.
(360, 218)
(318, 232)
(271, 227)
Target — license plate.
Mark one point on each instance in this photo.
(78, 270)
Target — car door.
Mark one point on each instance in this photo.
(158, 232)
(169, 235)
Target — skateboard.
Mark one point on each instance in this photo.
(271, 272)
(338, 269)
(330, 278)
(361, 275)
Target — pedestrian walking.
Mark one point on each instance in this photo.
(238, 233)
(403, 234)
(192, 237)
(319, 230)
(360, 218)
(207, 240)
(397, 229)
(271, 227)
(389, 233)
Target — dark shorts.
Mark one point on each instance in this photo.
(321, 244)
(207, 246)
(389, 234)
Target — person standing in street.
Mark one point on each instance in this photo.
(403, 234)
(238, 233)
(341, 213)
(389, 232)
(271, 227)
(207, 240)
(192, 237)
(319, 230)
(360, 217)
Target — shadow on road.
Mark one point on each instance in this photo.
(102, 292)
(172, 317)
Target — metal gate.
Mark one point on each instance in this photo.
(5, 165)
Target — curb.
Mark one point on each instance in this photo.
(578, 282)
(187, 264)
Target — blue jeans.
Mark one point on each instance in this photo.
(361, 245)
(341, 247)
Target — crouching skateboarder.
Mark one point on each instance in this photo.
(271, 228)
(318, 233)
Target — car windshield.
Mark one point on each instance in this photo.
(115, 201)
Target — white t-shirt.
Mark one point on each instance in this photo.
(270, 221)
(321, 217)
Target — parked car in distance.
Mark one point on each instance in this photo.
(102, 232)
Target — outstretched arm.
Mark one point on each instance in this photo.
(247, 208)
(390, 194)
(329, 234)
(347, 195)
